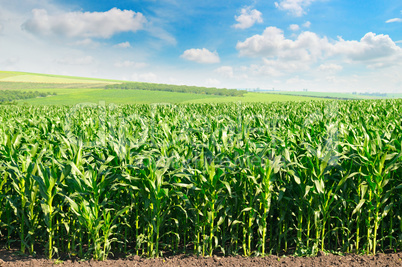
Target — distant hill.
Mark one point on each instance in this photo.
(68, 90)
(26, 77)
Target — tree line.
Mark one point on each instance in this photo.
(176, 88)
(7, 96)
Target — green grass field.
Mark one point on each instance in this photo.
(75, 90)
(85, 95)
(253, 98)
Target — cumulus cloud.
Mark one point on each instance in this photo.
(87, 60)
(84, 24)
(282, 56)
(394, 20)
(225, 71)
(123, 45)
(269, 68)
(294, 27)
(309, 47)
(272, 43)
(370, 47)
(307, 24)
(294, 7)
(201, 56)
(248, 18)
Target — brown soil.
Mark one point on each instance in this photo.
(12, 259)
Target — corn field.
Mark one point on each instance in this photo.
(247, 179)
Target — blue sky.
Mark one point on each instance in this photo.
(320, 45)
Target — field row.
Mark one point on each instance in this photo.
(250, 179)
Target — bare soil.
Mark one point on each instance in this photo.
(13, 259)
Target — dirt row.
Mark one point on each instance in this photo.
(12, 259)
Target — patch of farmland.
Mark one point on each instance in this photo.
(39, 86)
(81, 95)
(255, 98)
(250, 179)
(30, 78)
(84, 90)
(7, 74)
(115, 96)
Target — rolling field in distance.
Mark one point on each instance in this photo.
(14, 76)
(336, 95)
(75, 90)
(86, 95)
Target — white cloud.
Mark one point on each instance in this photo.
(370, 47)
(309, 47)
(225, 71)
(265, 70)
(307, 24)
(294, 27)
(272, 43)
(87, 60)
(282, 56)
(123, 45)
(294, 7)
(128, 63)
(84, 24)
(330, 67)
(248, 18)
(1, 28)
(201, 55)
(276, 68)
(394, 20)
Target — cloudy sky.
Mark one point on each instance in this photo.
(320, 45)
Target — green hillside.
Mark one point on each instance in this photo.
(68, 90)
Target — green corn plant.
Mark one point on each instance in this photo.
(249, 187)
(90, 203)
(49, 180)
(156, 196)
(24, 203)
(268, 178)
(3, 185)
(377, 184)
